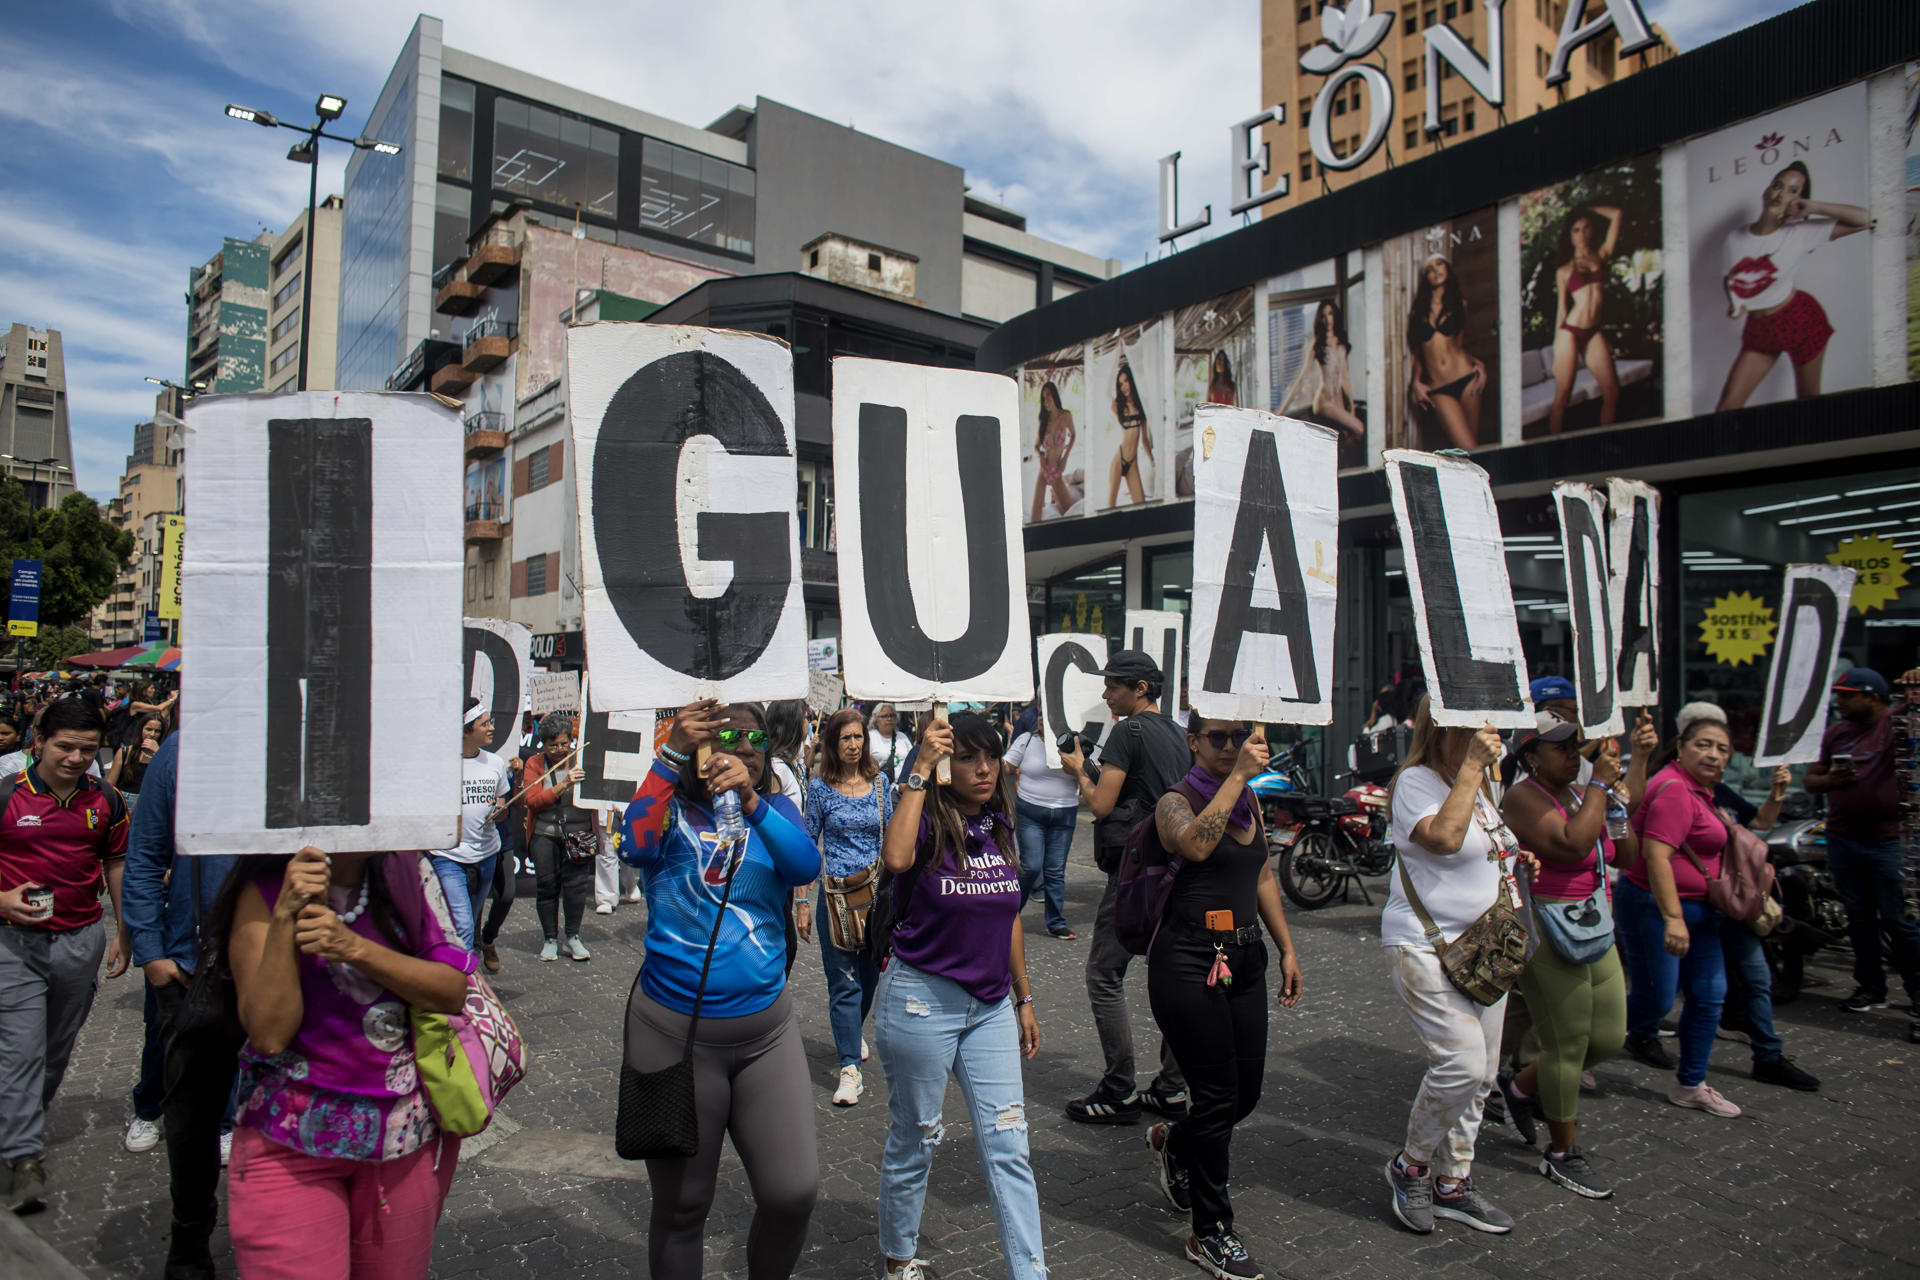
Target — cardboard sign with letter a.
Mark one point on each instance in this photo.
(1462, 598)
(1633, 589)
(323, 702)
(689, 546)
(1583, 513)
(933, 594)
(494, 665)
(1266, 537)
(1070, 689)
(1813, 616)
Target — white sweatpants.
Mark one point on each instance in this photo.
(1462, 1040)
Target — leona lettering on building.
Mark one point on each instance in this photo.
(1770, 151)
(1351, 34)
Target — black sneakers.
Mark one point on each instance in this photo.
(1519, 1110)
(1864, 1001)
(1174, 1182)
(1649, 1050)
(1787, 1075)
(1171, 1103)
(28, 1192)
(1103, 1108)
(1573, 1172)
(1220, 1253)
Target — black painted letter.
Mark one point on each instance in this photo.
(1586, 565)
(1786, 724)
(1466, 683)
(1262, 519)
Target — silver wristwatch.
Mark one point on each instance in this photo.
(915, 782)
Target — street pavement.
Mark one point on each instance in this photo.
(1800, 1184)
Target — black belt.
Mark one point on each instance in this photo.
(1244, 936)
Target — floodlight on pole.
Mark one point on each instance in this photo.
(265, 119)
(329, 106)
(375, 145)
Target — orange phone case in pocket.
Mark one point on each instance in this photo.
(1220, 921)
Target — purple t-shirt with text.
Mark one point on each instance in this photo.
(959, 922)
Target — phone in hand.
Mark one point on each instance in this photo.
(1842, 760)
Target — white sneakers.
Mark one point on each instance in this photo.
(1702, 1097)
(851, 1087)
(863, 1048)
(603, 908)
(578, 949)
(142, 1135)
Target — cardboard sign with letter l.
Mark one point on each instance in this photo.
(1462, 598)
(323, 702)
(1266, 537)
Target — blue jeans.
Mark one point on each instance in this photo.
(1046, 834)
(1656, 977)
(927, 1028)
(851, 981)
(462, 900)
(151, 1088)
(1750, 989)
(1868, 879)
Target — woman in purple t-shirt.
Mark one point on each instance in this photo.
(954, 999)
(339, 1167)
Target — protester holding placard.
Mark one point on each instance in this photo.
(1141, 760)
(890, 746)
(1206, 977)
(954, 1000)
(1455, 857)
(725, 968)
(564, 837)
(1574, 987)
(847, 810)
(1048, 801)
(1672, 932)
(339, 1165)
(466, 871)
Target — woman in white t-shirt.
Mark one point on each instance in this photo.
(1452, 848)
(1761, 263)
(1047, 808)
(889, 745)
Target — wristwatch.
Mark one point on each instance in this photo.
(915, 782)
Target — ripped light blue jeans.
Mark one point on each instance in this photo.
(928, 1027)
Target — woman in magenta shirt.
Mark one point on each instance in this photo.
(1672, 935)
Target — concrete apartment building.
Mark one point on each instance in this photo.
(243, 317)
(286, 267)
(149, 489)
(517, 202)
(36, 445)
(1290, 30)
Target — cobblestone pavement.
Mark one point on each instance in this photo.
(1809, 1184)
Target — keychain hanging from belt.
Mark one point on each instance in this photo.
(1219, 975)
(1501, 845)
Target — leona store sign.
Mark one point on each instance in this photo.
(1350, 34)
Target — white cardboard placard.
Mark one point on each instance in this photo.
(1633, 589)
(1266, 537)
(1161, 634)
(1070, 686)
(551, 691)
(616, 750)
(689, 545)
(321, 595)
(1814, 600)
(1462, 597)
(933, 596)
(495, 666)
(825, 691)
(1583, 550)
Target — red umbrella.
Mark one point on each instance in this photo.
(108, 657)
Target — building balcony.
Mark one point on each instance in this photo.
(458, 297)
(820, 567)
(488, 344)
(452, 378)
(486, 521)
(204, 343)
(486, 433)
(496, 257)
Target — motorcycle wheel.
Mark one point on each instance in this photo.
(1306, 870)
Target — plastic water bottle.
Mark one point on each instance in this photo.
(1617, 827)
(728, 822)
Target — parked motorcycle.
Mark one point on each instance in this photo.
(1813, 915)
(1322, 845)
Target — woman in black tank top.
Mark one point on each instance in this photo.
(1206, 972)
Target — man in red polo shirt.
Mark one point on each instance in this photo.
(61, 834)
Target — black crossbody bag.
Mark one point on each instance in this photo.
(656, 1119)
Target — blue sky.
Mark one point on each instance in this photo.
(123, 173)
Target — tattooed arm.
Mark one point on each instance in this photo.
(1195, 835)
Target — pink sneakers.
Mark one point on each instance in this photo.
(1702, 1097)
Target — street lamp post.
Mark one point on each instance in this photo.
(328, 107)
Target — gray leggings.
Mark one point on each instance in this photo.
(750, 1083)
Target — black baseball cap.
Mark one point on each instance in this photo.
(1863, 680)
(1133, 666)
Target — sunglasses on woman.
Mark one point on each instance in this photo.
(1220, 739)
(732, 738)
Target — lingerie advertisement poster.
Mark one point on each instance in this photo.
(1127, 459)
(1053, 436)
(1213, 363)
(1777, 226)
(1316, 350)
(1442, 300)
(1592, 277)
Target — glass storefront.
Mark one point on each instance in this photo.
(1090, 600)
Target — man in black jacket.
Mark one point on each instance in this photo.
(1144, 755)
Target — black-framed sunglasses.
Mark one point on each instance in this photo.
(1220, 739)
(730, 739)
